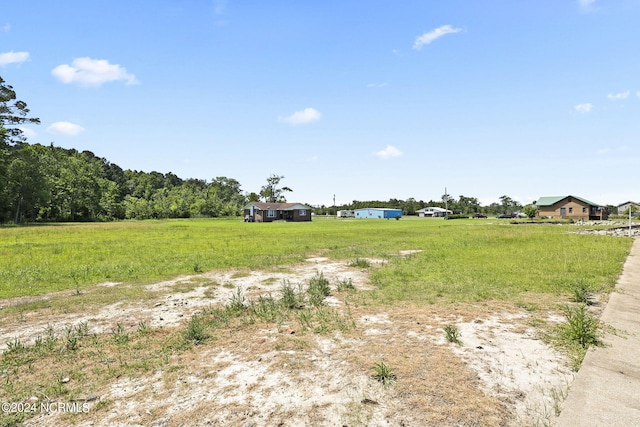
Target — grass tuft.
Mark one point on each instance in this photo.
(384, 373)
(452, 334)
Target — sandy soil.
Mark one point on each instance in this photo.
(500, 375)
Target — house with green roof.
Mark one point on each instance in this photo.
(570, 207)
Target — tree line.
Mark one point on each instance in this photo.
(49, 184)
(463, 205)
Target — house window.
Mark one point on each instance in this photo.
(303, 212)
(584, 210)
(271, 213)
(570, 210)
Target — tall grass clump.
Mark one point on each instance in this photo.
(360, 263)
(195, 331)
(318, 289)
(288, 298)
(580, 331)
(384, 373)
(582, 292)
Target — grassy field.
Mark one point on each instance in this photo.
(450, 265)
(459, 260)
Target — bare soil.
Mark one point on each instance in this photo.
(501, 374)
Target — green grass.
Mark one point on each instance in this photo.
(462, 260)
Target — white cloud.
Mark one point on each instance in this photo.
(583, 108)
(65, 128)
(6, 28)
(13, 58)
(638, 94)
(92, 72)
(370, 85)
(388, 152)
(586, 5)
(618, 96)
(302, 117)
(433, 35)
(28, 133)
(607, 150)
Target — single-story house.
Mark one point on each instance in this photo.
(624, 207)
(570, 207)
(267, 212)
(433, 211)
(378, 213)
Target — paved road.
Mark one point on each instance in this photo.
(606, 390)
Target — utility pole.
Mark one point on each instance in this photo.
(335, 212)
(446, 204)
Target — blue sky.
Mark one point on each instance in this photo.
(358, 99)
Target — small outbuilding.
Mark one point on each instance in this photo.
(386, 213)
(268, 212)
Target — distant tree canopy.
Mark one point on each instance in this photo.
(48, 183)
(463, 205)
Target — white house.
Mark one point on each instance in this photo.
(624, 207)
(433, 211)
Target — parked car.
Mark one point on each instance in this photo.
(502, 216)
(479, 215)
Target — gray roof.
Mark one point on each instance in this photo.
(552, 200)
(277, 206)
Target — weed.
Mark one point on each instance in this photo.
(320, 284)
(453, 334)
(384, 373)
(195, 331)
(580, 331)
(288, 298)
(360, 263)
(266, 308)
(119, 334)
(582, 292)
(15, 346)
(143, 328)
(237, 302)
(197, 268)
(581, 327)
(345, 285)
(305, 318)
(318, 289)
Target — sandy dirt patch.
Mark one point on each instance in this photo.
(500, 375)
